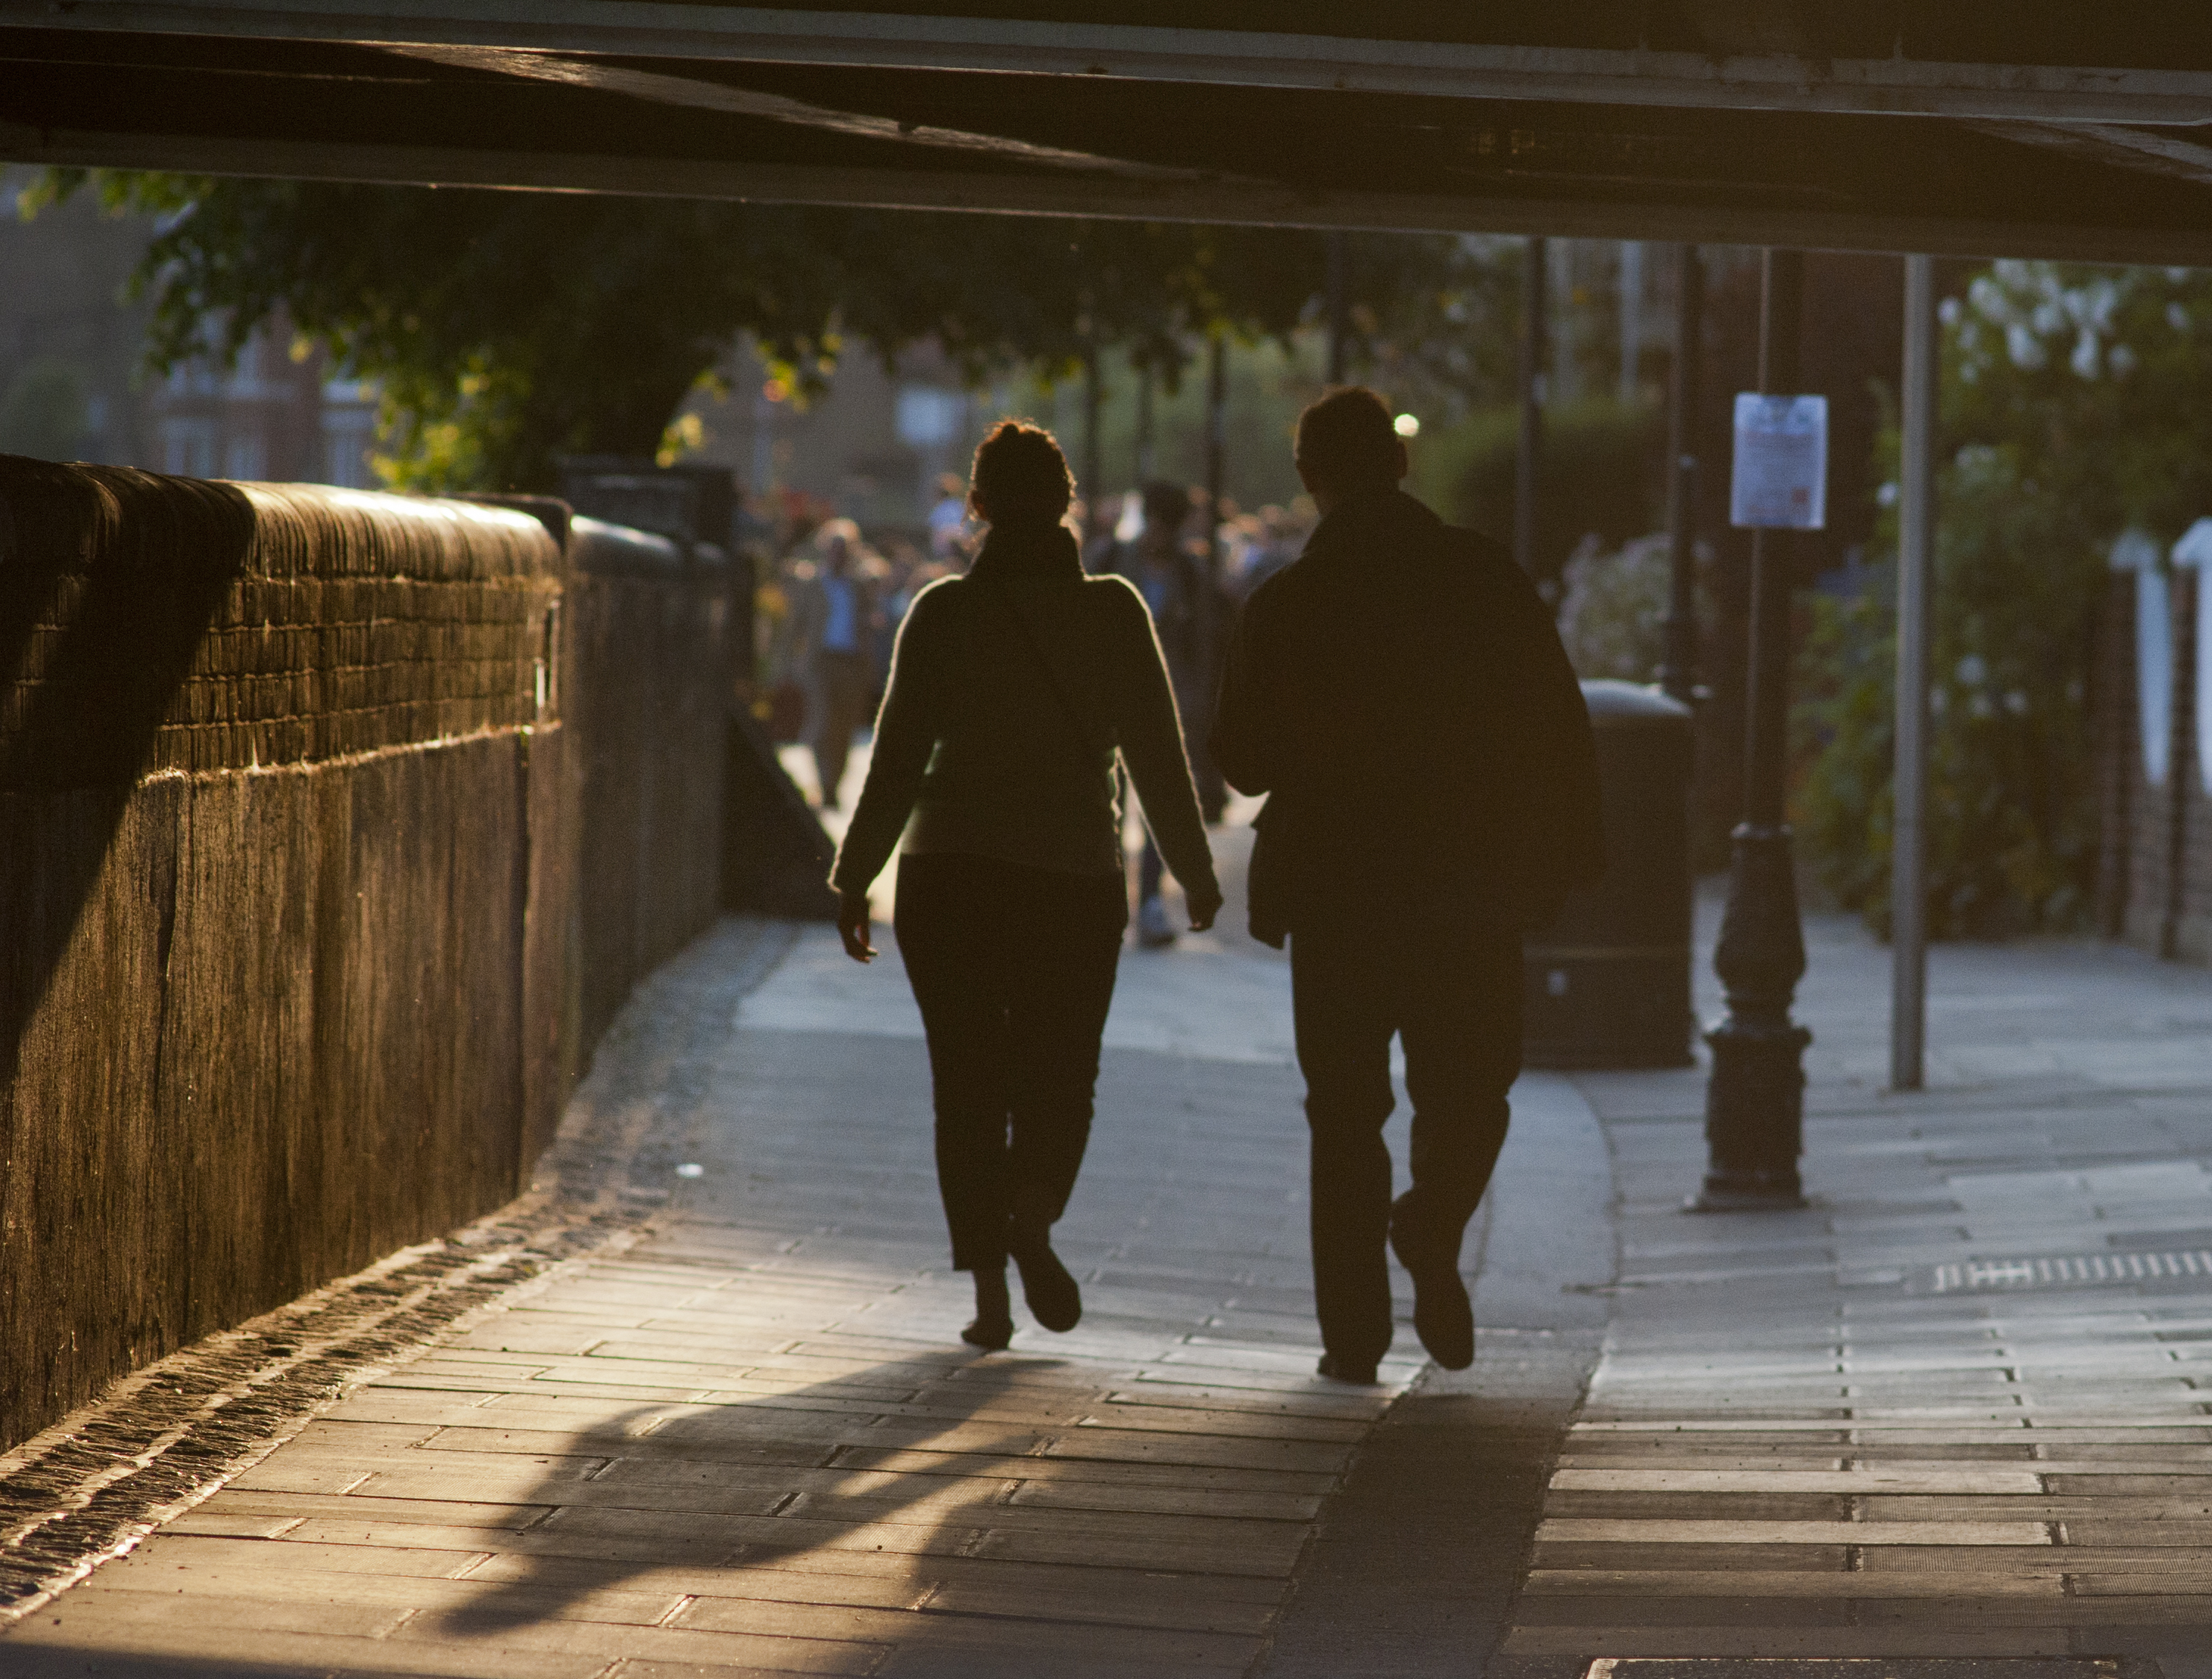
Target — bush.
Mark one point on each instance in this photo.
(2011, 837)
(2073, 408)
(1602, 473)
(1612, 612)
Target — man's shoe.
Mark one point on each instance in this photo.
(1444, 1316)
(1343, 1370)
(1054, 1298)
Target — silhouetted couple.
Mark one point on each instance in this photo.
(1398, 692)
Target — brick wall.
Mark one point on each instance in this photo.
(295, 919)
(647, 705)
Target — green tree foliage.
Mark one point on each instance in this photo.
(1602, 473)
(507, 328)
(2073, 407)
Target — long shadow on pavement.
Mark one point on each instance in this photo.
(902, 1448)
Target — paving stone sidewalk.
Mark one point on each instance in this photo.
(1959, 1407)
(1949, 1415)
(750, 1442)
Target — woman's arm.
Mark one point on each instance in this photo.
(906, 732)
(1152, 745)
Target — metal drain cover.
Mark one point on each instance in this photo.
(1818, 1667)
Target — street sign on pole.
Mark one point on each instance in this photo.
(1780, 481)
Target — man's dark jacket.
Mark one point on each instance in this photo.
(1399, 693)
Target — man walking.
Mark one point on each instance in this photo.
(835, 621)
(1399, 693)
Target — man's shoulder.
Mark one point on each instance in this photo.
(939, 599)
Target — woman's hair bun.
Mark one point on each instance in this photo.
(1021, 476)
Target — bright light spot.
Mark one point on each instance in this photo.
(775, 390)
(689, 1170)
(1406, 426)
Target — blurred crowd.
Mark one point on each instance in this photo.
(834, 594)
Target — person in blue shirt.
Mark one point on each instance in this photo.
(835, 616)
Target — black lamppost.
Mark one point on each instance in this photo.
(1339, 294)
(1756, 1103)
(1678, 674)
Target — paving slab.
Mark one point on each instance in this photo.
(746, 1438)
(2007, 1425)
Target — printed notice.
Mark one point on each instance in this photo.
(1781, 478)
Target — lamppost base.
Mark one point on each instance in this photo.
(1748, 1192)
(1755, 1118)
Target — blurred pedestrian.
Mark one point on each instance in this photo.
(833, 625)
(1172, 581)
(949, 528)
(1398, 693)
(1013, 690)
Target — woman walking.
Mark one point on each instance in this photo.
(1011, 691)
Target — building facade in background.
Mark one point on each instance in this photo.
(73, 384)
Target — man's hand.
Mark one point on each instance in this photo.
(1202, 905)
(853, 926)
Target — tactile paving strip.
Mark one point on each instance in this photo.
(2069, 1271)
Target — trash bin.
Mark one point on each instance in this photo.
(1607, 984)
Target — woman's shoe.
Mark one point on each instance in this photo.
(1344, 1370)
(991, 1337)
(1053, 1299)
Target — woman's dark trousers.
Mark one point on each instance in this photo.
(1451, 989)
(1013, 968)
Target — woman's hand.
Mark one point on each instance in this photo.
(853, 926)
(1202, 904)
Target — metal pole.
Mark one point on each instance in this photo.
(1093, 467)
(1916, 554)
(1678, 676)
(1525, 460)
(1144, 461)
(1339, 305)
(1212, 791)
(1216, 445)
(1755, 1102)
(1632, 320)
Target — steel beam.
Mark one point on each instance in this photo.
(1891, 86)
(1112, 196)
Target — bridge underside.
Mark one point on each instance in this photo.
(1743, 123)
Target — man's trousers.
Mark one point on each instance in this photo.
(1450, 987)
(839, 702)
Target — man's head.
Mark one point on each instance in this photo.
(1166, 507)
(834, 542)
(1347, 446)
